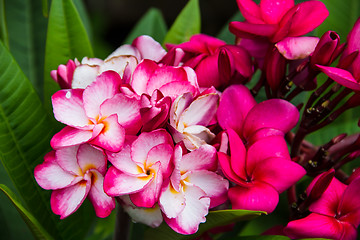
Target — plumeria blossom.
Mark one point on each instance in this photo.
(123, 61)
(192, 189)
(99, 115)
(335, 215)
(75, 173)
(262, 171)
(215, 62)
(171, 81)
(275, 19)
(190, 117)
(140, 168)
(239, 111)
(347, 73)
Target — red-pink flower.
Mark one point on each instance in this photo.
(215, 63)
(140, 168)
(277, 19)
(99, 115)
(335, 215)
(192, 189)
(262, 171)
(74, 173)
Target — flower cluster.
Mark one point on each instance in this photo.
(172, 134)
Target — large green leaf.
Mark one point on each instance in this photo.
(27, 32)
(152, 24)
(66, 39)
(25, 132)
(187, 23)
(213, 219)
(225, 34)
(38, 231)
(3, 28)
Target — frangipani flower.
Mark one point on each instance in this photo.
(239, 111)
(348, 71)
(139, 169)
(171, 81)
(189, 118)
(193, 188)
(74, 173)
(123, 61)
(99, 114)
(275, 19)
(336, 215)
(215, 62)
(261, 172)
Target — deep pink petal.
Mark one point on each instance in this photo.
(250, 30)
(127, 110)
(196, 208)
(341, 76)
(224, 161)
(349, 207)
(330, 199)
(70, 136)
(68, 107)
(207, 72)
(293, 48)
(149, 48)
(91, 158)
(146, 141)
(272, 11)
(112, 136)
(103, 204)
(203, 158)
(67, 200)
(142, 74)
(354, 46)
(257, 196)
(274, 113)
(117, 183)
(250, 10)
(235, 103)
(106, 86)
(320, 226)
(149, 195)
(308, 16)
(212, 184)
(278, 172)
(237, 153)
(164, 75)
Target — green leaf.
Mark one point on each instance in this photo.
(186, 24)
(25, 132)
(45, 8)
(225, 34)
(213, 219)
(66, 39)
(3, 28)
(152, 24)
(342, 16)
(35, 227)
(27, 32)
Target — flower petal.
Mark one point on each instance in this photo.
(293, 48)
(349, 206)
(272, 11)
(251, 30)
(341, 76)
(250, 10)
(91, 158)
(84, 75)
(171, 202)
(149, 48)
(161, 153)
(67, 160)
(141, 76)
(70, 136)
(203, 158)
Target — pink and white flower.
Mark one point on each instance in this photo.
(192, 189)
(140, 168)
(190, 117)
(99, 115)
(75, 173)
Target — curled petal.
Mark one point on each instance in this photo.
(141, 76)
(171, 202)
(341, 76)
(250, 30)
(149, 48)
(84, 75)
(70, 136)
(203, 158)
(293, 48)
(91, 158)
(250, 10)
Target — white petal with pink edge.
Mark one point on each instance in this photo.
(203, 158)
(171, 202)
(84, 75)
(149, 48)
(67, 160)
(91, 158)
(70, 136)
(161, 153)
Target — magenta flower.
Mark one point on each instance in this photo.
(336, 215)
(239, 111)
(140, 168)
(99, 115)
(64, 74)
(154, 110)
(74, 173)
(215, 63)
(193, 188)
(171, 81)
(261, 172)
(347, 73)
(275, 20)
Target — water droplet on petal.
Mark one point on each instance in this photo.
(68, 95)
